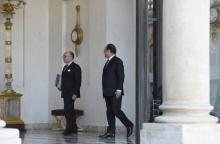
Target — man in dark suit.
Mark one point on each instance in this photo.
(70, 90)
(112, 85)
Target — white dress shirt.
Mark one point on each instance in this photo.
(70, 62)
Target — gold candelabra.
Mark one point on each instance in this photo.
(8, 8)
(9, 99)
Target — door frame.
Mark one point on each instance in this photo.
(142, 56)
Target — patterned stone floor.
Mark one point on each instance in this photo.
(56, 137)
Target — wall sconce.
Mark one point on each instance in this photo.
(77, 32)
(9, 99)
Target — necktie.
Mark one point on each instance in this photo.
(65, 67)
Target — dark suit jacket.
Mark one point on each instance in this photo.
(113, 77)
(71, 81)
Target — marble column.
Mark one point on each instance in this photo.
(2, 124)
(186, 69)
(186, 79)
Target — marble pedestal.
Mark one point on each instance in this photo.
(155, 133)
(8, 136)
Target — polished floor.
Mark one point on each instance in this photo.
(56, 137)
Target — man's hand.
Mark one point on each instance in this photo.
(118, 93)
(74, 97)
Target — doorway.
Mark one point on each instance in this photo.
(148, 62)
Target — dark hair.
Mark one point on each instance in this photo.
(72, 54)
(112, 48)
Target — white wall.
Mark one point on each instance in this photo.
(36, 70)
(47, 36)
(55, 52)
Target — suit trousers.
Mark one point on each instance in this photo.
(69, 114)
(113, 105)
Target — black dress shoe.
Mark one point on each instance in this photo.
(107, 135)
(66, 133)
(129, 131)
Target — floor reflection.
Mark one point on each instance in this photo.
(56, 137)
